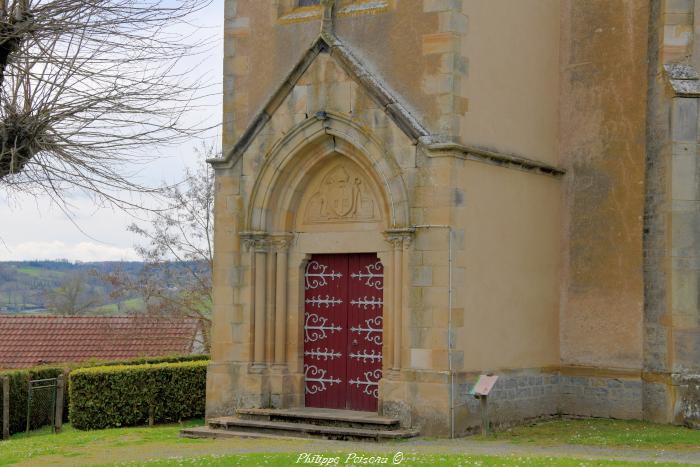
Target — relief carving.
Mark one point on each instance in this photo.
(341, 196)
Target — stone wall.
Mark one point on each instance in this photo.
(584, 286)
(602, 143)
(672, 216)
(521, 395)
(657, 398)
(513, 252)
(687, 389)
(517, 396)
(513, 57)
(678, 328)
(265, 39)
(595, 396)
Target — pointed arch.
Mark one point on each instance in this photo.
(297, 157)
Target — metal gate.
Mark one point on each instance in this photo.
(343, 331)
(41, 403)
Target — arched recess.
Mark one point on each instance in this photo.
(321, 150)
(300, 154)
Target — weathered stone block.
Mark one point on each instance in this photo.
(422, 276)
(684, 290)
(431, 6)
(421, 358)
(453, 22)
(438, 84)
(685, 119)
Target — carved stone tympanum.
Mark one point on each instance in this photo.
(341, 196)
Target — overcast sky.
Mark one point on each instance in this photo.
(33, 228)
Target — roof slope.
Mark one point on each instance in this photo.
(354, 68)
(31, 340)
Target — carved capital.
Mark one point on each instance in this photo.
(400, 238)
(281, 242)
(255, 241)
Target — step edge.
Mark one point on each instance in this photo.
(305, 427)
(296, 434)
(232, 433)
(265, 412)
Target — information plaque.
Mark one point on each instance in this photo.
(484, 385)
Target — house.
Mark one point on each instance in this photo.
(417, 192)
(27, 341)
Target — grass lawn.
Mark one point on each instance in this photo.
(423, 460)
(160, 446)
(71, 443)
(600, 432)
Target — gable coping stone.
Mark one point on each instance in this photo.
(407, 123)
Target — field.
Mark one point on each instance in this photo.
(28, 286)
(555, 443)
(125, 306)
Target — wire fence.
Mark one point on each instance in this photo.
(41, 403)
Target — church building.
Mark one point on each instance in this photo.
(413, 193)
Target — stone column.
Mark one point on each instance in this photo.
(398, 306)
(270, 304)
(405, 278)
(400, 240)
(260, 305)
(387, 259)
(281, 246)
(257, 244)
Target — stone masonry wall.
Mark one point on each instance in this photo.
(518, 396)
(656, 396)
(602, 144)
(533, 394)
(600, 397)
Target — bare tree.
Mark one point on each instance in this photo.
(178, 254)
(88, 87)
(73, 296)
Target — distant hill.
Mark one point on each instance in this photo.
(24, 285)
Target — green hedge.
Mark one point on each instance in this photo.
(122, 395)
(19, 383)
(143, 361)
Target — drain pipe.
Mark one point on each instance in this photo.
(449, 318)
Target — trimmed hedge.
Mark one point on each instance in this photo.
(143, 361)
(123, 395)
(19, 384)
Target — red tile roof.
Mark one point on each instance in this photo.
(31, 340)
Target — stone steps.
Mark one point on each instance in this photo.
(306, 430)
(217, 433)
(337, 418)
(303, 423)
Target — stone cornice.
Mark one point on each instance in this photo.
(450, 149)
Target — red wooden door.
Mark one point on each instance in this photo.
(343, 331)
(325, 331)
(366, 294)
